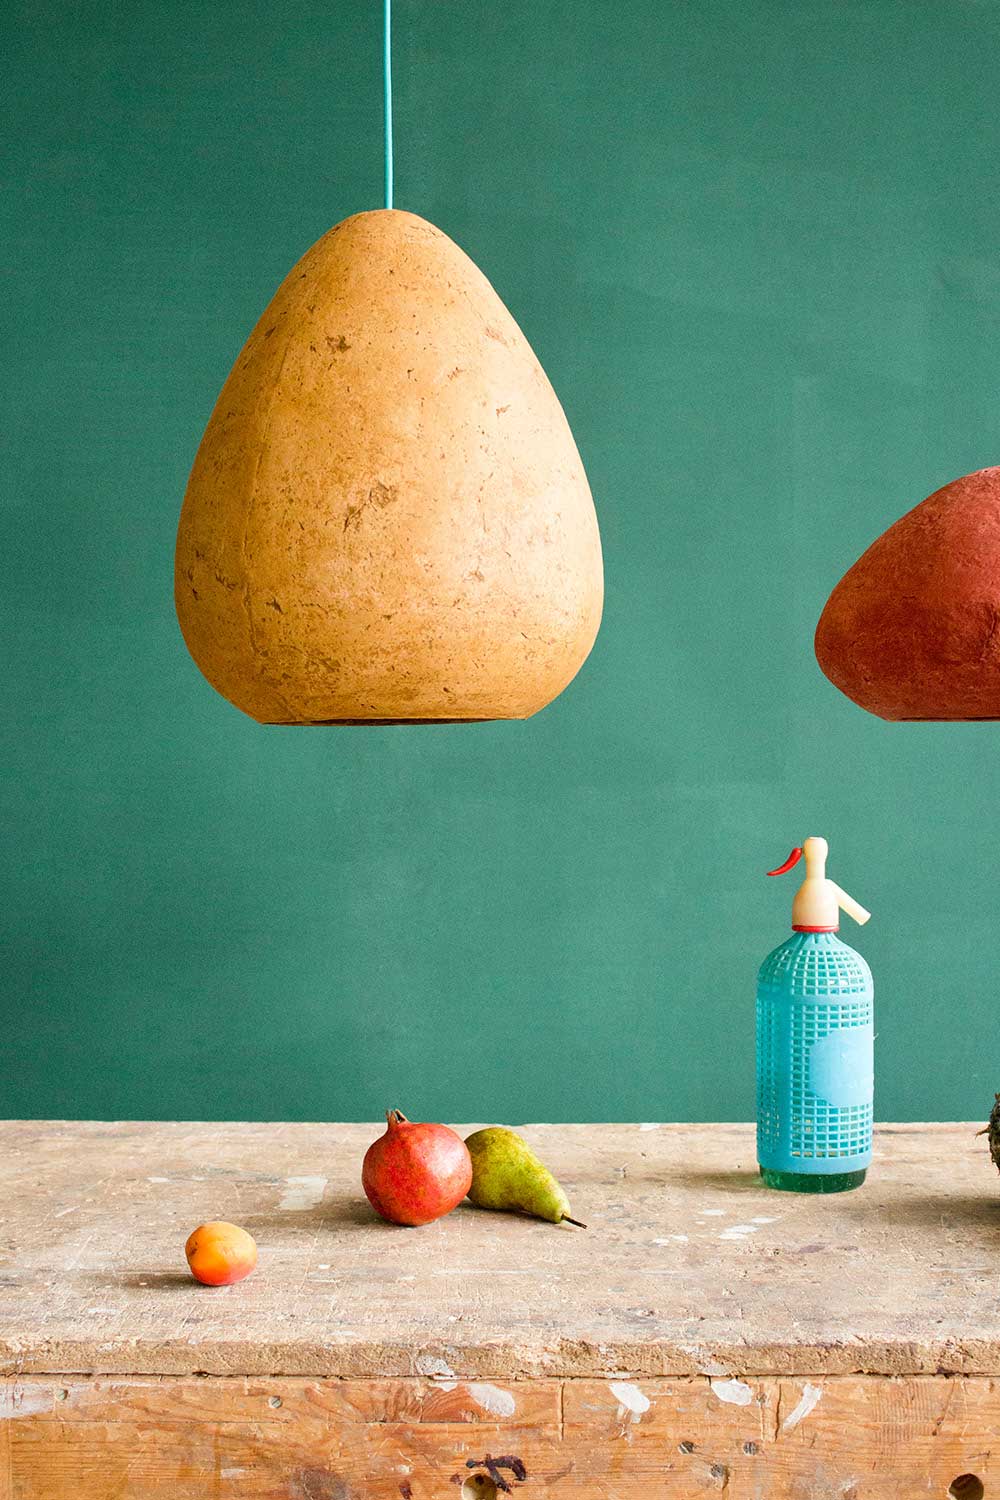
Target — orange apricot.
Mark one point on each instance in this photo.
(220, 1253)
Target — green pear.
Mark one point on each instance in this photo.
(507, 1175)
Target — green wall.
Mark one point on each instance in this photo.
(755, 245)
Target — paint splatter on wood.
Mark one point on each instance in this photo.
(809, 1400)
(734, 1392)
(630, 1397)
(302, 1193)
(492, 1399)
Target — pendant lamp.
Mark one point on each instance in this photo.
(387, 520)
(912, 630)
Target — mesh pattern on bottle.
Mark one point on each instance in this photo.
(791, 1018)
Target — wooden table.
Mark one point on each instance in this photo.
(703, 1335)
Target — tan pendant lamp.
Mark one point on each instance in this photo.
(388, 520)
(912, 630)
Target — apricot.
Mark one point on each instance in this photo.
(220, 1253)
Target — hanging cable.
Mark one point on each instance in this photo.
(387, 78)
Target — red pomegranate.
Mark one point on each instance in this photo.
(415, 1173)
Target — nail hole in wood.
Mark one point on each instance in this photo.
(685, 1447)
(966, 1487)
(479, 1487)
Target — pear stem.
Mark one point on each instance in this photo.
(567, 1220)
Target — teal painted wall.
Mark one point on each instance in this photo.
(755, 246)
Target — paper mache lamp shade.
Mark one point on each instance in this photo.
(388, 519)
(912, 630)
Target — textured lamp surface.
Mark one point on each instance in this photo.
(387, 518)
(912, 631)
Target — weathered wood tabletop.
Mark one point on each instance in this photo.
(765, 1325)
(689, 1264)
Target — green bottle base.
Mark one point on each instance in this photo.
(813, 1182)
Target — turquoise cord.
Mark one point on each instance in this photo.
(387, 74)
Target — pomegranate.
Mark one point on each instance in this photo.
(415, 1173)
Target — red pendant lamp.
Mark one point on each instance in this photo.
(912, 630)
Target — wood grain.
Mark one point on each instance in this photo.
(689, 1267)
(840, 1438)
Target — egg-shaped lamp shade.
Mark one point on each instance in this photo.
(388, 519)
(912, 630)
